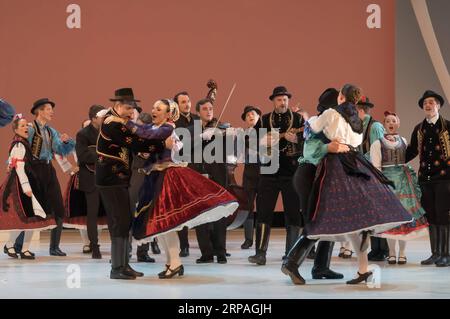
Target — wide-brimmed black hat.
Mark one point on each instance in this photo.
(124, 94)
(41, 102)
(250, 108)
(327, 100)
(429, 93)
(280, 90)
(364, 101)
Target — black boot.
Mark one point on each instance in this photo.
(119, 250)
(248, 233)
(127, 268)
(155, 247)
(262, 242)
(142, 254)
(295, 258)
(312, 253)
(321, 269)
(292, 233)
(435, 252)
(374, 249)
(444, 261)
(55, 238)
(96, 251)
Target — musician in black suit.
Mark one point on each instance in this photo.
(85, 147)
(186, 120)
(270, 185)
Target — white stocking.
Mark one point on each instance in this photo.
(402, 247)
(392, 243)
(173, 249)
(363, 262)
(84, 237)
(27, 240)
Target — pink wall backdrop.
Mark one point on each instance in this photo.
(162, 47)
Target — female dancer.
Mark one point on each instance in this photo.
(351, 198)
(388, 155)
(21, 199)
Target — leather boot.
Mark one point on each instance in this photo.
(119, 250)
(262, 242)
(444, 261)
(295, 258)
(96, 251)
(55, 238)
(292, 233)
(155, 247)
(142, 254)
(321, 269)
(127, 268)
(435, 253)
(248, 233)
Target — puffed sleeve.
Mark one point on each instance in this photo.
(17, 161)
(375, 154)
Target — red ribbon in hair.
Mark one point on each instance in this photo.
(386, 113)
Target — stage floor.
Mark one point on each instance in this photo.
(52, 277)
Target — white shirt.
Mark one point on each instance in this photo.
(433, 120)
(335, 127)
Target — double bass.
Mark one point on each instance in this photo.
(238, 218)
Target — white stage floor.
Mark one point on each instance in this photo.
(47, 277)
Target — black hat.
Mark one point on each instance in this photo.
(41, 102)
(138, 108)
(327, 100)
(249, 108)
(364, 101)
(280, 90)
(125, 94)
(428, 94)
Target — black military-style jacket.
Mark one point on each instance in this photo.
(115, 145)
(432, 143)
(85, 148)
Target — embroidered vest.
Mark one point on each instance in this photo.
(393, 155)
(36, 142)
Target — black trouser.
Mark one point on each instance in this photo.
(183, 237)
(116, 201)
(436, 202)
(211, 237)
(48, 181)
(268, 189)
(250, 184)
(136, 181)
(303, 182)
(93, 206)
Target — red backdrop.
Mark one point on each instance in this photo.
(162, 47)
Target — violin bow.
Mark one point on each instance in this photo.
(225, 106)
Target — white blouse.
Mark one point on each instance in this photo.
(335, 127)
(17, 154)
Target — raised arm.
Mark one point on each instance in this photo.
(60, 147)
(149, 131)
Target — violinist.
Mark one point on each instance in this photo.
(211, 237)
(290, 141)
